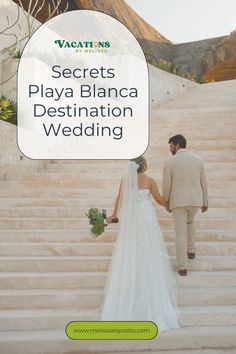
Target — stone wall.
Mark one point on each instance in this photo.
(165, 86)
(11, 156)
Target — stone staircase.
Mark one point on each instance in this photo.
(53, 272)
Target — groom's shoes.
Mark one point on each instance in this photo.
(182, 271)
(191, 255)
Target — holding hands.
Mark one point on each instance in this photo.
(204, 208)
(110, 218)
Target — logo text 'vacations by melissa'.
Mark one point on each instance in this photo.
(62, 43)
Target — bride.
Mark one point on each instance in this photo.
(140, 284)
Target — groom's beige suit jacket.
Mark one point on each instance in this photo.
(184, 180)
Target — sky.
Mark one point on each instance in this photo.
(188, 20)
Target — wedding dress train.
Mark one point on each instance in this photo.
(140, 284)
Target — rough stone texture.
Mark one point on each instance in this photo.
(196, 58)
(11, 158)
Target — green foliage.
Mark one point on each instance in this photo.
(162, 64)
(7, 110)
(192, 77)
(97, 220)
(202, 81)
(188, 76)
(168, 66)
(149, 58)
(15, 53)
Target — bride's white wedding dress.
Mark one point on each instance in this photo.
(141, 284)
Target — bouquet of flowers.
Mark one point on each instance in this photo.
(97, 220)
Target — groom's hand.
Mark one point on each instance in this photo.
(204, 208)
(167, 208)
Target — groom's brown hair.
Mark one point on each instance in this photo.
(178, 139)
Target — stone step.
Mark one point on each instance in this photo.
(98, 189)
(82, 298)
(161, 143)
(189, 118)
(83, 223)
(52, 201)
(193, 133)
(205, 145)
(64, 177)
(82, 235)
(212, 116)
(72, 192)
(206, 340)
(96, 179)
(78, 280)
(155, 173)
(112, 165)
(100, 263)
(83, 167)
(90, 201)
(89, 162)
(65, 280)
(207, 315)
(210, 296)
(23, 169)
(51, 298)
(192, 115)
(120, 165)
(199, 127)
(44, 319)
(45, 176)
(76, 178)
(181, 118)
(161, 153)
(159, 146)
(69, 212)
(55, 319)
(103, 249)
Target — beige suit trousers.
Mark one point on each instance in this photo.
(184, 233)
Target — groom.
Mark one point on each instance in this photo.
(185, 188)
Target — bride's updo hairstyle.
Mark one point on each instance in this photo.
(142, 162)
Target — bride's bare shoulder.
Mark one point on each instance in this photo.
(149, 181)
(152, 181)
(150, 178)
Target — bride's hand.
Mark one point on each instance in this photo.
(166, 205)
(110, 218)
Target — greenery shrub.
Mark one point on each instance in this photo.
(170, 67)
(8, 111)
(14, 53)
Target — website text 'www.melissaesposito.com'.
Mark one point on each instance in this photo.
(112, 330)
